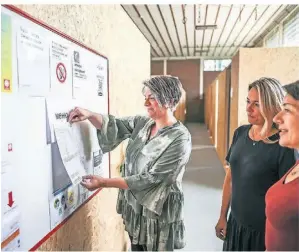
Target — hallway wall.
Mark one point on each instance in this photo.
(209, 77)
(188, 71)
(157, 68)
(104, 28)
(234, 96)
(216, 112)
(222, 122)
(280, 63)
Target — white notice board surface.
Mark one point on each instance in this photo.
(44, 74)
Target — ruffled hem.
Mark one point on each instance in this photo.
(156, 232)
(242, 238)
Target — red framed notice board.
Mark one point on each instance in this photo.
(44, 74)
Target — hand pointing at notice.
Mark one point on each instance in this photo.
(92, 182)
(79, 114)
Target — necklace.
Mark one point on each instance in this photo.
(253, 137)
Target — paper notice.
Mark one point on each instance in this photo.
(12, 242)
(61, 69)
(97, 161)
(64, 204)
(33, 62)
(67, 141)
(6, 54)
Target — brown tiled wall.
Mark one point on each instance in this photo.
(157, 67)
(188, 73)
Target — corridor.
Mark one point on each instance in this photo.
(202, 186)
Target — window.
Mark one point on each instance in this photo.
(290, 34)
(216, 65)
(273, 39)
(286, 33)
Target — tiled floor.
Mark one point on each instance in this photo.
(202, 186)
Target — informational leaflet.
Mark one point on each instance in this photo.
(101, 76)
(97, 161)
(33, 62)
(10, 210)
(12, 242)
(6, 54)
(85, 131)
(68, 145)
(61, 69)
(10, 239)
(73, 141)
(57, 112)
(60, 177)
(84, 194)
(89, 75)
(81, 77)
(64, 204)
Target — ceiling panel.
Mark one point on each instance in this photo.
(266, 18)
(170, 29)
(165, 13)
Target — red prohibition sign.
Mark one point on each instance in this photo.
(61, 72)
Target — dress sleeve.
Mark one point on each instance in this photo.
(115, 130)
(286, 161)
(152, 187)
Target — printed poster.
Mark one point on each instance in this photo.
(33, 62)
(64, 204)
(61, 69)
(6, 54)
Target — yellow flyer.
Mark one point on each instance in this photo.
(6, 54)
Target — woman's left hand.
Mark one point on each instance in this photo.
(92, 182)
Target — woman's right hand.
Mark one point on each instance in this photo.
(79, 114)
(221, 228)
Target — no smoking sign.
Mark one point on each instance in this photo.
(61, 72)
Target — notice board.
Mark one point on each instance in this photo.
(44, 74)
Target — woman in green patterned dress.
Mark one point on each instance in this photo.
(150, 197)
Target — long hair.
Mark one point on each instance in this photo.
(271, 94)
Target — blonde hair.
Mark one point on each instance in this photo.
(271, 94)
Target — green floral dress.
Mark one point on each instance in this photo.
(152, 207)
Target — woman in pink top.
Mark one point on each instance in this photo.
(282, 199)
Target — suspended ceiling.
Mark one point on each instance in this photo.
(209, 31)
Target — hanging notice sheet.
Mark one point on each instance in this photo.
(44, 75)
(61, 69)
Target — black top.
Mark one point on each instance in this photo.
(255, 167)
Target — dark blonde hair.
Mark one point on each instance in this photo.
(271, 94)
